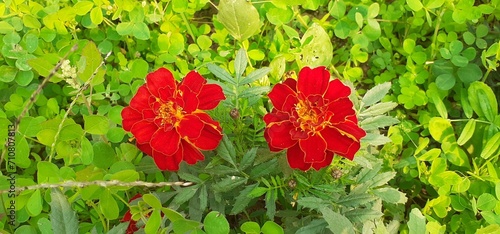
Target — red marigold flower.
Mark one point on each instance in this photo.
(314, 119)
(168, 121)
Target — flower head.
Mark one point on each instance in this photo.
(168, 121)
(313, 118)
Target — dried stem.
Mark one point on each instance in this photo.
(101, 183)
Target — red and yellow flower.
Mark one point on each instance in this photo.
(313, 118)
(168, 121)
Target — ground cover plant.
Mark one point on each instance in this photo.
(238, 116)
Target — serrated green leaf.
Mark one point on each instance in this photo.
(63, 218)
(229, 183)
(337, 223)
(243, 199)
(390, 195)
(248, 158)
(216, 223)
(227, 151)
(240, 64)
(312, 202)
(376, 94)
(253, 91)
(377, 122)
(355, 200)
(416, 224)
(257, 192)
(378, 109)
(239, 17)
(184, 194)
(255, 75)
(221, 73)
(119, 229)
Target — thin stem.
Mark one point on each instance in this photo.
(434, 37)
(190, 31)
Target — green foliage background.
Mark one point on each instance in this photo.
(430, 165)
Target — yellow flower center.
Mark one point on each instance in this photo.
(310, 117)
(169, 113)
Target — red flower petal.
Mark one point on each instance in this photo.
(314, 149)
(351, 130)
(166, 142)
(160, 79)
(130, 117)
(191, 154)
(291, 83)
(190, 101)
(190, 127)
(276, 116)
(209, 138)
(341, 109)
(283, 97)
(210, 95)
(337, 142)
(141, 100)
(295, 158)
(353, 149)
(268, 140)
(146, 148)
(193, 81)
(279, 135)
(313, 81)
(325, 163)
(166, 162)
(337, 90)
(143, 130)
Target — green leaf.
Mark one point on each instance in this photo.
(95, 124)
(83, 7)
(128, 175)
(440, 129)
(179, 6)
(186, 226)
(108, 205)
(119, 229)
(430, 155)
(482, 100)
(445, 81)
(89, 63)
(416, 224)
(240, 63)
(62, 217)
(337, 223)
(96, 15)
(434, 4)
(257, 192)
(390, 195)
(227, 151)
(491, 147)
(271, 227)
(467, 132)
(185, 194)
(229, 183)
(255, 75)
(104, 155)
(486, 202)
(216, 223)
(240, 18)
(376, 94)
(378, 109)
(470, 73)
(250, 227)
(243, 199)
(41, 65)
(248, 159)
(312, 202)
(154, 222)
(5, 27)
(221, 73)
(34, 204)
(316, 52)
